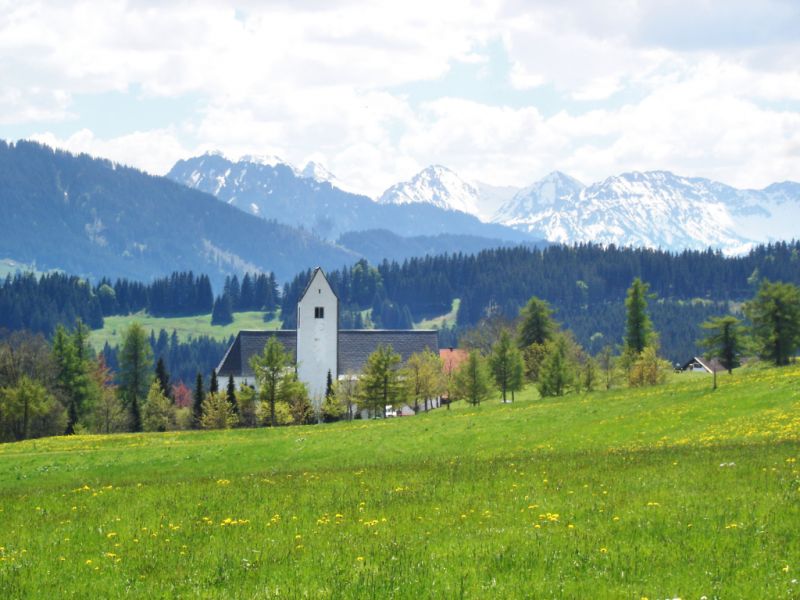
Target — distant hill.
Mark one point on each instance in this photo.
(275, 190)
(91, 217)
(379, 244)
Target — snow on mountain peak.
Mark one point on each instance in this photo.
(314, 170)
(266, 160)
(436, 185)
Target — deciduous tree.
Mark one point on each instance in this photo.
(269, 368)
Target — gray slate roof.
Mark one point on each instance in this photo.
(355, 346)
(236, 361)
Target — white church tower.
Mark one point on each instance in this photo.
(317, 335)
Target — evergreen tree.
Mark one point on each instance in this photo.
(71, 377)
(231, 395)
(537, 325)
(135, 364)
(380, 382)
(213, 386)
(246, 404)
(504, 362)
(329, 385)
(775, 317)
(222, 313)
(724, 341)
(163, 378)
(556, 374)
(638, 328)
(269, 367)
(472, 381)
(199, 397)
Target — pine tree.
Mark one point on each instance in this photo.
(269, 367)
(162, 376)
(329, 385)
(472, 381)
(217, 413)
(380, 383)
(71, 377)
(199, 397)
(638, 328)
(556, 374)
(725, 341)
(213, 386)
(135, 364)
(775, 315)
(222, 313)
(504, 361)
(537, 325)
(231, 395)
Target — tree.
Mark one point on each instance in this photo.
(109, 413)
(537, 325)
(472, 381)
(293, 393)
(135, 365)
(231, 394)
(423, 376)
(217, 412)
(222, 313)
(28, 410)
(648, 369)
(162, 376)
(724, 342)
(606, 361)
(246, 401)
(158, 413)
(198, 399)
(589, 374)
(213, 385)
(556, 374)
(269, 367)
(775, 317)
(517, 379)
(329, 385)
(380, 382)
(638, 328)
(505, 361)
(71, 377)
(347, 393)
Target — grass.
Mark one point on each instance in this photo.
(187, 327)
(657, 493)
(442, 320)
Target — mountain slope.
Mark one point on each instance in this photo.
(277, 191)
(654, 209)
(94, 218)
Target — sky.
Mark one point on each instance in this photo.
(501, 92)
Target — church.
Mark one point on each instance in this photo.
(318, 345)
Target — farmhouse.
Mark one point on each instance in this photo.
(318, 345)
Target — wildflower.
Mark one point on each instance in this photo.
(223, 482)
(603, 550)
(360, 558)
(785, 569)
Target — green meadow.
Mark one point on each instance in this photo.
(663, 492)
(186, 327)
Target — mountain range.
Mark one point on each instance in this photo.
(655, 209)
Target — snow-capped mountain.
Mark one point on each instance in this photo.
(272, 189)
(654, 209)
(438, 186)
(549, 191)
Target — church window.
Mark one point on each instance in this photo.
(319, 312)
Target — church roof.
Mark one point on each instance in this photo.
(247, 344)
(355, 345)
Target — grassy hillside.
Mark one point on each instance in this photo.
(441, 321)
(186, 327)
(674, 491)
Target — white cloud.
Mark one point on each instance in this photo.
(641, 85)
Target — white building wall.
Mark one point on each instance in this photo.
(317, 338)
